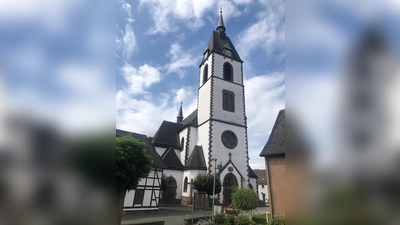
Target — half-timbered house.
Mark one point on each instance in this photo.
(148, 192)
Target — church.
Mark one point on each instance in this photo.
(214, 133)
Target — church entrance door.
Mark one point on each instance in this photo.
(230, 182)
(169, 195)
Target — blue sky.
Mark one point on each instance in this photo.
(159, 48)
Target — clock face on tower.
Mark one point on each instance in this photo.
(229, 139)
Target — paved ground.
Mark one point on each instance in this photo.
(172, 215)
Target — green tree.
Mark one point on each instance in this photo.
(133, 163)
(245, 199)
(204, 182)
(164, 182)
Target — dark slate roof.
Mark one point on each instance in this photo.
(276, 141)
(196, 159)
(252, 174)
(190, 120)
(167, 135)
(217, 43)
(157, 162)
(262, 177)
(171, 160)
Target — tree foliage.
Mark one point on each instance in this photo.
(204, 182)
(245, 199)
(164, 182)
(133, 162)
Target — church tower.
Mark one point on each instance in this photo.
(222, 126)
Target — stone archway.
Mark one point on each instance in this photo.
(169, 195)
(230, 182)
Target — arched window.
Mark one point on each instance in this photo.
(185, 185)
(205, 74)
(228, 71)
(182, 143)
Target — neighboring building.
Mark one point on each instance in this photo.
(274, 153)
(262, 185)
(148, 191)
(216, 129)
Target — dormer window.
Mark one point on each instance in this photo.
(227, 50)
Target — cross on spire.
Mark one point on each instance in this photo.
(230, 155)
(221, 26)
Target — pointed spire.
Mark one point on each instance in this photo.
(221, 26)
(179, 118)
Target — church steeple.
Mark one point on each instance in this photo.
(179, 118)
(221, 27)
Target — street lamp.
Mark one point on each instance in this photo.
(215, 168)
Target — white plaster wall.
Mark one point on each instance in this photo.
(219, 65)
(218, 112)
(203, 111)
(203, 140)
(183, 134)
(209, 63)
(193, 140)
(160, 150)
(147, 198)
(179, 181)
(220, 152)
(191, 174)
(128, 201)
(261, 190)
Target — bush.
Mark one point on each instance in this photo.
(229, 219)
(219, 218)
(244, 220)
(245, 199)
(277, 221)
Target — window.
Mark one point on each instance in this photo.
(228, 100)
(205, 74)
(185, 185)
(228, 72)
(139, 194)
(182, 143)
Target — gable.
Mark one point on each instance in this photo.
(276, 142)
(167, 135)
(171, 160)
(196, 159)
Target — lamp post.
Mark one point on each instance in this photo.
(215, 168)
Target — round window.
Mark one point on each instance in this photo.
(229, 139)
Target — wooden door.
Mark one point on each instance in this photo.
(169, 195)
(230, 182)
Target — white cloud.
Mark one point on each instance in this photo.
(268, 33)
(141, 78)
(264, 98)
(145, 115)
(167, 13)
(180, 59)
(129, 41)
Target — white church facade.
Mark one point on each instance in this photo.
(217, 129)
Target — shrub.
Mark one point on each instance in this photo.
(245, 199)
(277, 221)
(229, 219)
(244, 220)
(219, 218)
